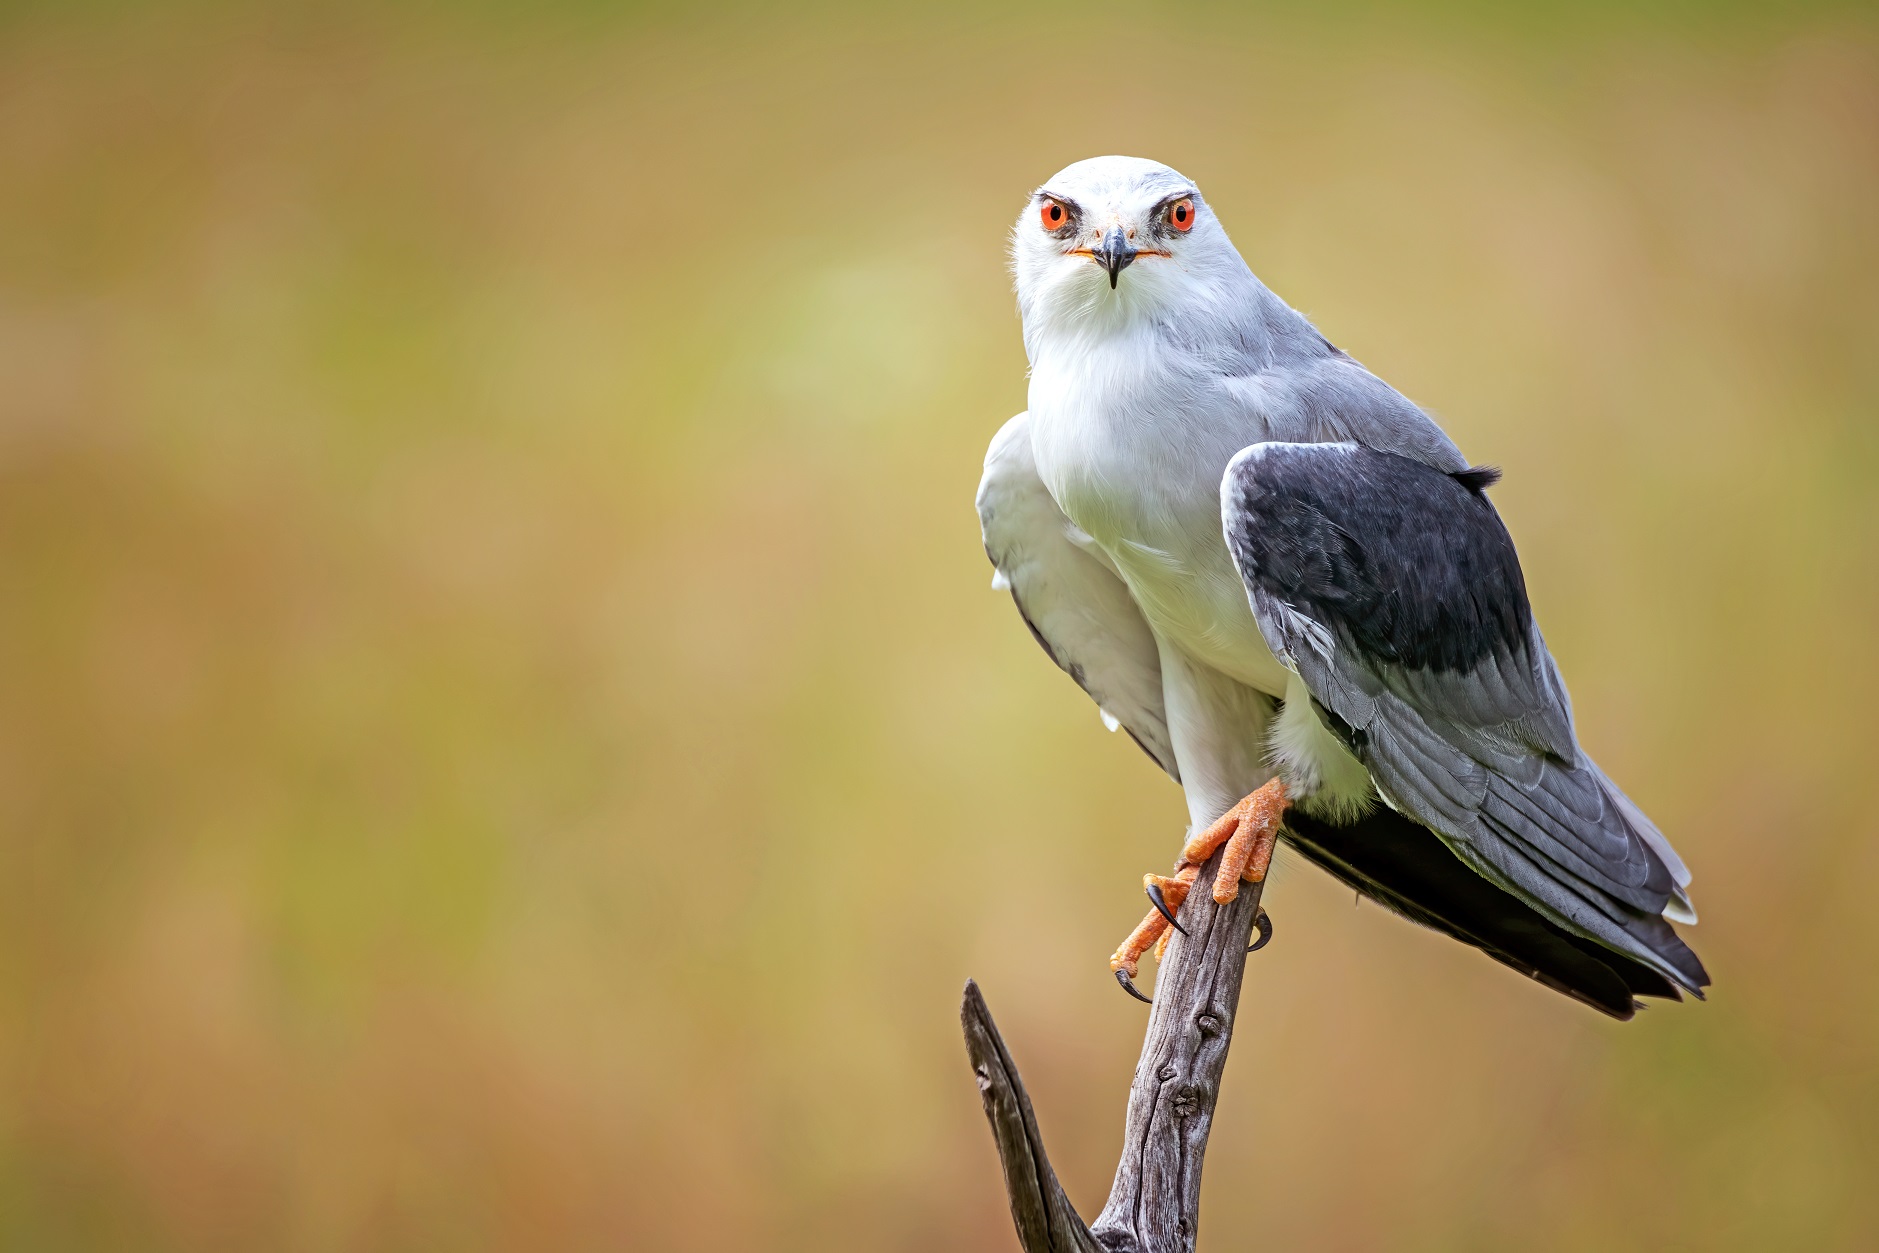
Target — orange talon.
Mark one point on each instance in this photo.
(1168, 893)
(1249, 850)
(1269, 806)
(1233, 859)
(1200, 847)
(1126, 959)
(1174, 888)
(1249, 830)
(1261, 860)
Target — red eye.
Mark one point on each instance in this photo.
(1054, 216)
(1181, 215)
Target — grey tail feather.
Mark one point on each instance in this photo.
(1406, 868)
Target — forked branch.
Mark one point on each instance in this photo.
(1154, 1204)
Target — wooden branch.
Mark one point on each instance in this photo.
(1046, 1221)
(1154, 1204)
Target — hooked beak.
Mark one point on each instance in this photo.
(1114, 254)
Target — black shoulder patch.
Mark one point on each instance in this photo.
(1409, 564)
(1478, 478)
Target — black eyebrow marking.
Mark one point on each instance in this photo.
(1043, 194)
(1166, 201)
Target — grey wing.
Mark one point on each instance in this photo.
(1075, 605)
(1393, 590)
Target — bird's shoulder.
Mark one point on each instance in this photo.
(1316, 393)
(1411, 563)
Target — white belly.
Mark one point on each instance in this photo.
(1195, 601)
(1145, 488)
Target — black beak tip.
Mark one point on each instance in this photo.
(1115, 255)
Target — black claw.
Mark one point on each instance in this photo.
(1122, 977)
(1264, 923)
(1161, 903)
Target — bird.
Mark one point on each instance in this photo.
(1284, 581)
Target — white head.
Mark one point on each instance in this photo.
(1111, 241)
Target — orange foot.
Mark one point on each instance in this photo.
(1249, 830)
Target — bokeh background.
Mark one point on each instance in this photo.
(505, 739)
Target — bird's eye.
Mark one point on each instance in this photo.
(1054, 216)
(1181, 215)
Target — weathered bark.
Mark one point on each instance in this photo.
(1046, 1221)
(1154, 1204)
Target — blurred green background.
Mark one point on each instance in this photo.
(505, 741)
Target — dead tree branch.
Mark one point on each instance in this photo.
(1154, 1204)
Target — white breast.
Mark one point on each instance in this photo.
(1133, 448)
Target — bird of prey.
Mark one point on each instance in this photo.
(1289, 586)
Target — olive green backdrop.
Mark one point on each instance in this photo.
(506, 742)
